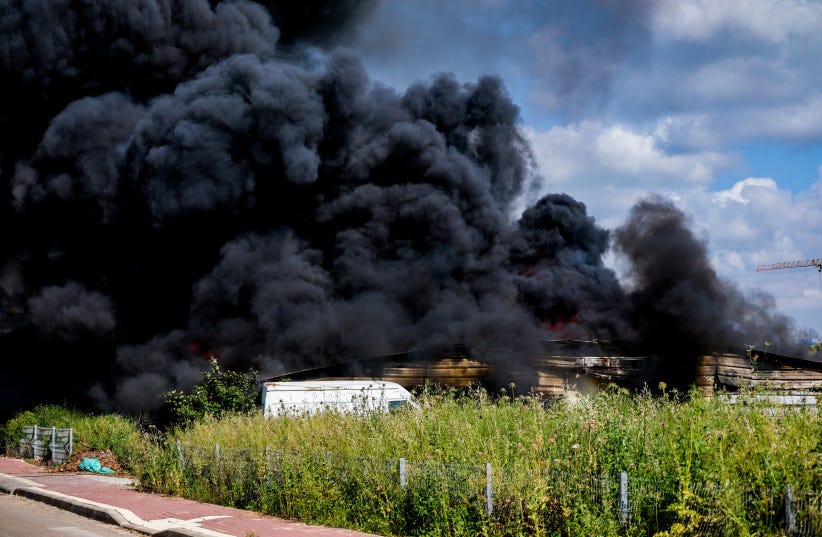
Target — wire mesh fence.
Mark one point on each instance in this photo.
(411, 496)
(805, 516)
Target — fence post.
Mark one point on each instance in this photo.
(37, 445)
(267, 466)
(53, 440)
(623, 498)
(790, 515)
(217, 456)
(180, 455)
(489, 490)
(328, 458)
(402, 473)
(71, 441)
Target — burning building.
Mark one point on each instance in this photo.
(185, 174)
(566, 368)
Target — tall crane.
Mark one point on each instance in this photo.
(793, 264)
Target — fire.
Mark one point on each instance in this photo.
(197, 349)
(560, 325)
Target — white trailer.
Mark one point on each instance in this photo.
(345, 396)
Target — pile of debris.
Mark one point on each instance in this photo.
(106, 458)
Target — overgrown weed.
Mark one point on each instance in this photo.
(692, 462)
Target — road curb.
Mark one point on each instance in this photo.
(103, 513)
(9, 484)
(77, 506)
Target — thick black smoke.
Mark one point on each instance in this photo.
(678, 304)
(176, 186)
(557, 252)
(320, 22)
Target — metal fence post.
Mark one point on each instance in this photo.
(790, 514)
(489, 490)
(267, 466)
(180, 455)
(53, 440)
(402, 473)
(70, 449)
(217, 457)
(623, 498)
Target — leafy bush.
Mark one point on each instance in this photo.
(219, 392)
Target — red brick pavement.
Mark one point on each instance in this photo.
(157, 511)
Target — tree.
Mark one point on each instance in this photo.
(220, 391)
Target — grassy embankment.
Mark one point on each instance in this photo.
(91, 432)
(690, 462)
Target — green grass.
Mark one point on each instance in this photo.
(691, 462)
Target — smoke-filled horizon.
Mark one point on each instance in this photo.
(183, 178)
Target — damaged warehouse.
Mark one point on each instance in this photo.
(567, 368)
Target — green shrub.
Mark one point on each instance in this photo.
(218, 392)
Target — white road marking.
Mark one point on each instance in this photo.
(204, 518)
(168, 523)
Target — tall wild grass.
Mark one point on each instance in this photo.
(692, 463)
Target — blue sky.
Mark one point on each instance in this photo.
(797, 165)
(714, 104)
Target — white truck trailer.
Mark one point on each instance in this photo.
(345, 396)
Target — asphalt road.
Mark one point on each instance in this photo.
(21, 517)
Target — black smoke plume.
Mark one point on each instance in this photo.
(176, 183)
(678, 304)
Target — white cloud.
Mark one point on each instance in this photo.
(800, 120)
(770, 20)
(796, 119)
(737, 193)
(609, 167)
(747, 79)
(565, 152)
(755, 222)
(748, 70)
